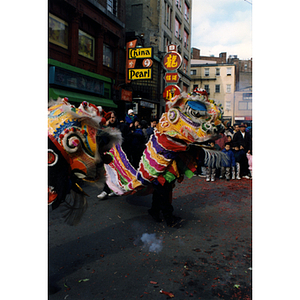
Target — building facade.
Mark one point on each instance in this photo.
(86, 50)
(158, 24)
(233, 91)
(243, 93)
(218, 80)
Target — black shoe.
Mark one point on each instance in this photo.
(155, 215)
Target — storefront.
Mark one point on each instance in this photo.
(79, 85)
(145, 109)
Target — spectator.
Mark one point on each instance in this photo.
(249, 157)
(150, 129)
(243, 138)
(221, 141)
(229, 140)
(130, 117)
(137, 143)
(144, 127)
(225, 169)
(111, 122)
(228, 129)
(236, 128)
(239, 154)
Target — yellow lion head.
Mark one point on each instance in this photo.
(192, 118)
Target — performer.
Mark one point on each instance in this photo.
(175, 149)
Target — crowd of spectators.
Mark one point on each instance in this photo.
(236, 143)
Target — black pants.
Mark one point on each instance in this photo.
(162, 198)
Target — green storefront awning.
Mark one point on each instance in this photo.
(77, 97)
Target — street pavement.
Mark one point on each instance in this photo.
(119, 252)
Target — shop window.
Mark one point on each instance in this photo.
(58, 31)
(86, 45)
(107, 56)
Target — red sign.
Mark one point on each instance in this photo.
(147, 62)
(126, 95)
(172, 61)
(129, 63)
(171, 91)
(172, 77)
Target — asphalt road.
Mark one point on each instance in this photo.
(119, 252)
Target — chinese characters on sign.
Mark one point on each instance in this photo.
(172, 77)
(170, 92)
(172, 61)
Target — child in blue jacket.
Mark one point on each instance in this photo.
(225, 169)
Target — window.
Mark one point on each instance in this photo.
(228, 88)
(112, 6)
(185, 65)
(217, 88)
(177, 28)
(206, 72)
(195, 86)
(206, 87)
(228, 105)
(168, 16)
(58, 31)
(86, 45)
(186, 12)
(107, 56)
(217, 71)
(178, 3)
(185, 39)
(193, 72)
(228, 71)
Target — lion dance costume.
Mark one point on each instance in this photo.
(175, 149)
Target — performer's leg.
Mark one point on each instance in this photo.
(162, 201)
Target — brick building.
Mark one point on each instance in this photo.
(86, 50)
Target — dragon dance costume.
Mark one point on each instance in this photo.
(174, 149)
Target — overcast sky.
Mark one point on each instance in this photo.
(222, 26)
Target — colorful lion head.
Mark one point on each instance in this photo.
(191, 118)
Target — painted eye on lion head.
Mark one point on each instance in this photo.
(195, 109)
